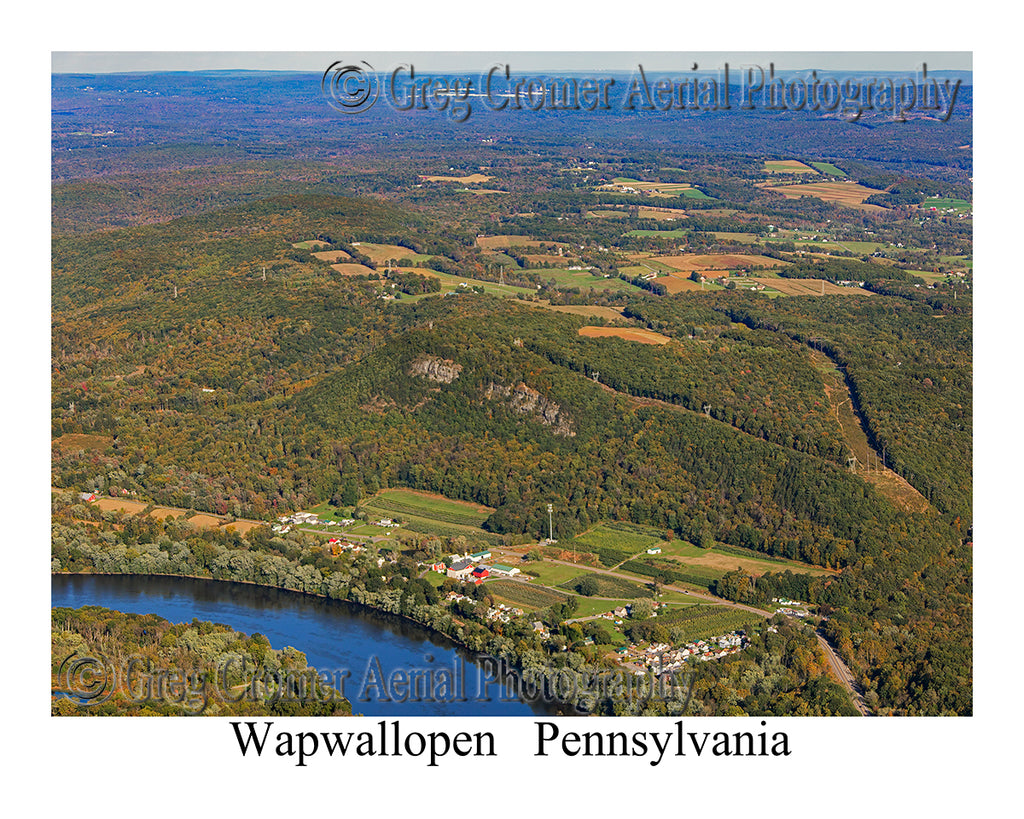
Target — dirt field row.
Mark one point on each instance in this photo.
(849, 194)
(628, 333)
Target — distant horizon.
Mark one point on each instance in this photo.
(569, 62)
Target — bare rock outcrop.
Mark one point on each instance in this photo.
(527, 401)
(441, 370)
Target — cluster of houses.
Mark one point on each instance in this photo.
(787, 607)
(338, 546)
(661, 657)
(470, 568)
(286, 522)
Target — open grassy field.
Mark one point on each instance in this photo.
(379, 254)
(945, 203)
(549, 574)
(787, 166)
(309, 245)
(471, 179)
(628, 333)
(453, 284)
(648, 263)
(665, 189)
(582, 279)
(331, 255)
(715, 560)
(850, 194)
(828, 168)
(688, 262)
(430, 505)
(529, 597)
(506, 240)
(353, 269)
(607, 214)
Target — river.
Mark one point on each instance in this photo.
(335, 636)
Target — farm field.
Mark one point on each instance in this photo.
(547, 573)
(379, 254)
(200, 521)
(810, 287)
(331, 255)
(787, 166)
(628, 333)
(506, 241)
(584, 280)
(674, 283)
(430, 505)
(473, 178)
(850, 194)
(353, 269)
(530, 597)
(944, 203)
(716, 560)
(665, 189)
(614, 542)
(309, 244)
(662, 214)
(828, 168)
(454, 284)
(689, 262)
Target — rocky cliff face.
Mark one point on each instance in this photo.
(528, 401)
(441, 370)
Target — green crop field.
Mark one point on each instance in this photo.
(435, 507)
(944, 202)
(828, 167)
(550, 574)
(525, 595)
(613, 542)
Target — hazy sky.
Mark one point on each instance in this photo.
(90, 62)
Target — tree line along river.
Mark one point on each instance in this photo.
(337, 637)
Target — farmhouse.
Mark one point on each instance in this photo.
(654, 550)
(461, 570)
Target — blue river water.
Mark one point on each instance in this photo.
(373, 647)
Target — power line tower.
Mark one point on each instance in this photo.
(851, 463)
(706, 409)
